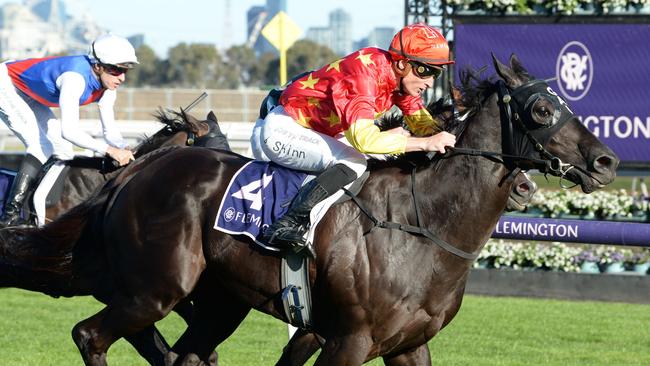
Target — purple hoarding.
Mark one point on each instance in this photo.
(601, 70)
(573, 231)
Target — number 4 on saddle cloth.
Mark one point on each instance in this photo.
(260, 193)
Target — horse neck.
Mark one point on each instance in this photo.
(465, 195)
(159, 140)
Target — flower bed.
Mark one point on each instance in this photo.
(566, 7)
(563, 257)
(600, 205)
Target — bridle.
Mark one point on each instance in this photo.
(523, 142)
(523, 139)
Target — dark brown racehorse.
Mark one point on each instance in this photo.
(87, 174)
(377, 292)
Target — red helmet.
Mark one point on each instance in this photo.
(420, 42)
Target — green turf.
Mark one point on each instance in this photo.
(35, 330)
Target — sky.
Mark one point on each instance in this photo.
(165, 23)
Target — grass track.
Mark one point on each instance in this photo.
(35, 330)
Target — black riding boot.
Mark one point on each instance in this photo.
(290, 230)
(21, 188)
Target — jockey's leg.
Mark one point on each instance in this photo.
(20, 190)
(17, 114)
(290, 230)
(280, 139)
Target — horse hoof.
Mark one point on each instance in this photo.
(191, 360)
(213, 360)
(170, 358)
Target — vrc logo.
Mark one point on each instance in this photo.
(229, 214)
(574, 70)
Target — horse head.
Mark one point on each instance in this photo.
(539, 130)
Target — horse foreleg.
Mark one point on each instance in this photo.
(350, 350)
(418, 356)
(213, 322)
(300, 348)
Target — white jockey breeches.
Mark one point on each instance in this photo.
(33, 123)
(278, 138)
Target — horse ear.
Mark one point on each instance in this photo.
(212, 116)
(506, 73)
(183, 114)
(518, 68)
(188, 117)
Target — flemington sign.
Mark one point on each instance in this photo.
(601, 70)
(573, 231)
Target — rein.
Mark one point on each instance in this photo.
(415, 230)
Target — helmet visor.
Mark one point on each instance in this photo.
(424, 71)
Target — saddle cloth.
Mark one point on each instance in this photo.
(6, 179)
(257, 195)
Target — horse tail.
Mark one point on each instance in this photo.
(49, 259)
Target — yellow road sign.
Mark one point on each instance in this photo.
(281, 31)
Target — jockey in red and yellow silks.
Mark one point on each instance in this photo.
(347, 95)
(325, 121)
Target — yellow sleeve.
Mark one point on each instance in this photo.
(421, 123)
(364, 136)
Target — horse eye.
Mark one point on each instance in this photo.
(544, 112)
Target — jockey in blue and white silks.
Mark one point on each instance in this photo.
(29, 88)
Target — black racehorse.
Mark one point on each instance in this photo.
(86, 174)
(379, 289)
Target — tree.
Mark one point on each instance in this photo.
(147, 73)
(240, 66)
(306, 55)
(194, 66)
(303, 56)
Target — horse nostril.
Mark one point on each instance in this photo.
(605, 163)
(523, 188)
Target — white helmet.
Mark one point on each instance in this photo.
(113, 50)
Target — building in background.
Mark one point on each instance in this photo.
(257, 18)
(338, 35)
(320, 35)
(38, 28)
(378, 37)
(136, 40)
(341, 26)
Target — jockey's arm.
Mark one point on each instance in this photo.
(111, 133)
(427, 130)
(71, 86)
(366, 137)
(421, 123)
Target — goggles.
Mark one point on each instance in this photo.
(424, 71)
(114, 70)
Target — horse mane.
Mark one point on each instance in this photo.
(174, 122)
(465, 99)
